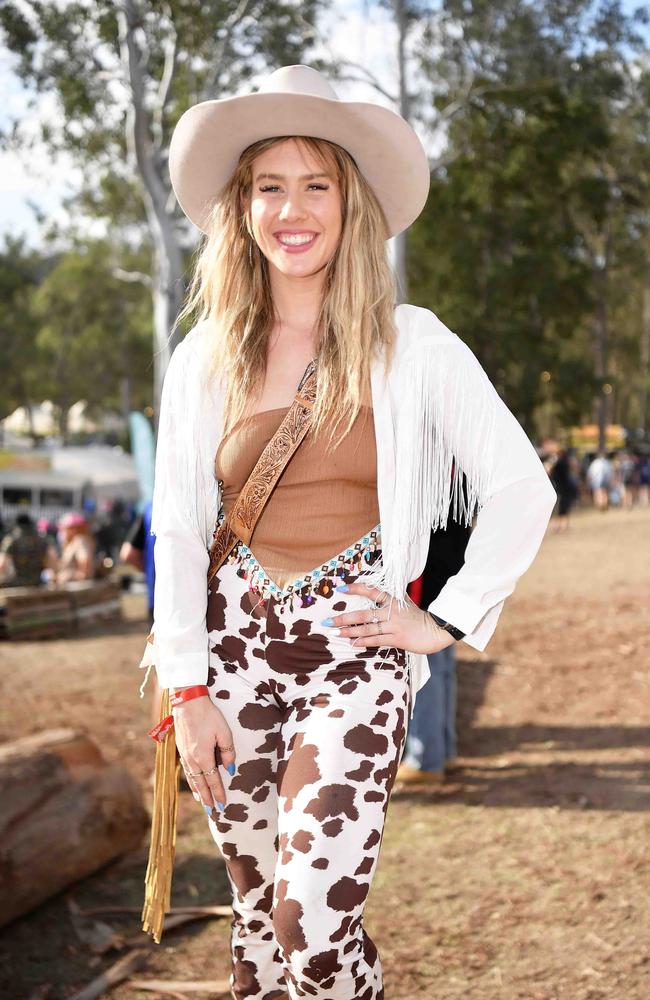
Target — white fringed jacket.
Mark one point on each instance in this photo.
(436, 407)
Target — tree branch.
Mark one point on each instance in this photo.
(369, 78)
(170, 46)
(132, 276)
(222, 44)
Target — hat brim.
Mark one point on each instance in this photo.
(210, 137)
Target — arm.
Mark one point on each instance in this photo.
(185, 495)
(181, 557)
(514, 496)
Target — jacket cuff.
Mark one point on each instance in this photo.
(471, 618)
(457, 609)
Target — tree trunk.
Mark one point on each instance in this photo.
(400, 262)
(65, 813)
(601, 338)
(644, 357)
(167, 292)
(167, 287)
(64, 412)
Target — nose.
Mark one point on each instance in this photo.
(292, 209)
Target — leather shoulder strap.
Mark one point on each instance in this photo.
(240, 523)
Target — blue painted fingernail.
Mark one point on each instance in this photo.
(220, 806)
(208, 810)
(230, 769)
(343, 587)
(327, 621)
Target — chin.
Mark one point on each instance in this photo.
(299, 269)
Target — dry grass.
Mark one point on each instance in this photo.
(526, 881)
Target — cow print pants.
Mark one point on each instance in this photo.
(318, 727)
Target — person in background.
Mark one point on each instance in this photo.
(137, 550)
(599, 478)
(430, 748)
(565, 483)
(23, 555)
(627, 466)
(77, 559)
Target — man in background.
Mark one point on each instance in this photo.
(24, 554)
(431, 739)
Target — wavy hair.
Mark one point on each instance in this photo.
(233, 293)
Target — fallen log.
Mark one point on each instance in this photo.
(65, 813)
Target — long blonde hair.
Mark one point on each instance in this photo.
(233, 294)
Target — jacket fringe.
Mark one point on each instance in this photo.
(443, 392)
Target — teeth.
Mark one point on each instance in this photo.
(295, 240)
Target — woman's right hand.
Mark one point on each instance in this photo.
(200, 728)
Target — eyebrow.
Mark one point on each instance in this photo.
(280, 177)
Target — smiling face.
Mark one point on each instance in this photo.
(295, 209)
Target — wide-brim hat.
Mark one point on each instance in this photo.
(297, 100)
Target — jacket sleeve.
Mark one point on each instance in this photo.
(180, 640)
(507, 482)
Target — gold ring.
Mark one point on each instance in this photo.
(225, 749)
(211, 771)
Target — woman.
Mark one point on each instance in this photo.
(77, 559)
(308, 649)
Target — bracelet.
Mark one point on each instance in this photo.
(453, 631)
(165, 726)
(178, 697)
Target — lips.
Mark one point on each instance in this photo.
(297, 247)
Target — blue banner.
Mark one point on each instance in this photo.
(144, 453)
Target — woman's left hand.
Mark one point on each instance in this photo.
(389, 625)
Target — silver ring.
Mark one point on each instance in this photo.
(375, 619)
(211, 771)
(194, 774)
(380, 631)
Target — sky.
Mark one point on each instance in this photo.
(35, 178)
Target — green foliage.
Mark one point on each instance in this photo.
(534, 235)
(94, 333)
(20, 271)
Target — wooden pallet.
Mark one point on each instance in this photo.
(47, 612)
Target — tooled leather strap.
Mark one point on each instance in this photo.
(240, 523)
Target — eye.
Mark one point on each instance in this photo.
(274, 187)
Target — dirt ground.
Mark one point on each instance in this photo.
(527, 879)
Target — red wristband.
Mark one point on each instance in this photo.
(178, 697)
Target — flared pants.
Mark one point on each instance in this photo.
(318, 727)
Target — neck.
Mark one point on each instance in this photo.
(297, 302)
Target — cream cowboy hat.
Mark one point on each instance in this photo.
(297, 100)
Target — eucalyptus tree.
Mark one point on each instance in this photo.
(535, 221)
(122, 72)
